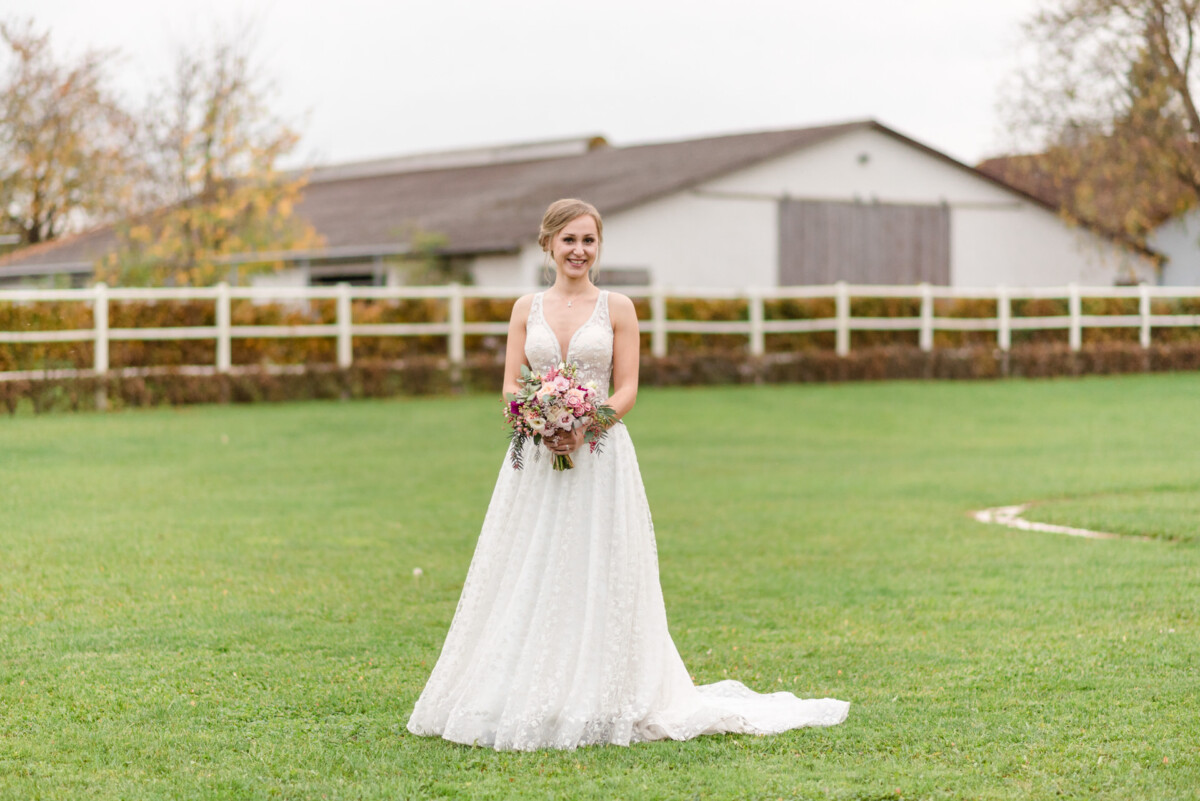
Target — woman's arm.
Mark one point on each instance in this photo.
(626, 346)
(514, 352)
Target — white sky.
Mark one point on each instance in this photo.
(369, 78)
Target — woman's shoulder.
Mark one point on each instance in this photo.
(621, 309)
(618, 303)
(523, 305)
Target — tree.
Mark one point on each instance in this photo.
(64, 138)
(215, 189)
(426, 263)
(1109, 104)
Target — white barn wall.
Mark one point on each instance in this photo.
(997, 236)
(894, 172)
(499, 271)
(1179, 241)
(724, 233)
(1030, 247)
(286, 278)
(693, 241)
(684, 240)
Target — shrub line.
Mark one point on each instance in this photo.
(431, 374)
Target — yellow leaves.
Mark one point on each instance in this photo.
(63, 138)
(191, 244)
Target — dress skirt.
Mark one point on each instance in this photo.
(560, 637)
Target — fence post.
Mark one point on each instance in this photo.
(658, 322)
(1004, 323)
(224, 329)
(457, 345)
(926, 317)
(1075, 306)
(100, 319)
(758, 344)
(842, 299)
(100, 345)
(1144, 311)
(345, 342)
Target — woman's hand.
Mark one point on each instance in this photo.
(564, 443)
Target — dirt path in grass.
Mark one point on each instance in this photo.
(1011, 516)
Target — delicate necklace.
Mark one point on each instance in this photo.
(571, 300)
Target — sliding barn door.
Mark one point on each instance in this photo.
(821, 242)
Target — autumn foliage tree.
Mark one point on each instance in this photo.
(65, 151)
(214, 187)
(1108, 105)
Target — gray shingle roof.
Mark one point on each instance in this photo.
(496, 207)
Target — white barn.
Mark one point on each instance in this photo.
(1178, 240)
(857, 201)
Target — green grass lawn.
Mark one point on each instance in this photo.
(220, 602)
(1165, 512)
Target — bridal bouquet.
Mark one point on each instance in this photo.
(544, 405)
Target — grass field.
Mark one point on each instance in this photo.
(220, 602)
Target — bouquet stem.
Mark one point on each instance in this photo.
(562, 461)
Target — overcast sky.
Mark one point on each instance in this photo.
(370, 78)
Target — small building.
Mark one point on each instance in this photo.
(856, 201)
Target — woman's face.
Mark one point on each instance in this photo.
(575, 248)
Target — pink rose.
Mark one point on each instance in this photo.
(575, 399)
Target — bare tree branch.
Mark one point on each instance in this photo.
(1109, 103)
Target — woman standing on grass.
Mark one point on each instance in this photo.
(560, 638)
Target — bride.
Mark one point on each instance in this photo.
(560, 637)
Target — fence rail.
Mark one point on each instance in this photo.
(456, 328)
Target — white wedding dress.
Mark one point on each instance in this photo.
(560, 637)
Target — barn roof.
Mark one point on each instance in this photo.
(488, 200)
(488, 204)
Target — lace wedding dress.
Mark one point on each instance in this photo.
(560, 637)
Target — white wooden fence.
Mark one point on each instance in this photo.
(456, 328)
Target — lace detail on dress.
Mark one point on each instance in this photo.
(590, 346)
(560, 637)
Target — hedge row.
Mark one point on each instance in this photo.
(317, 350)
(425, 375)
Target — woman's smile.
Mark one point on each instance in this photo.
(576, 246)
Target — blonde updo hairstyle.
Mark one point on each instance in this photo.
(559, 214)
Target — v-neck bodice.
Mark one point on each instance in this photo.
(590, 346)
